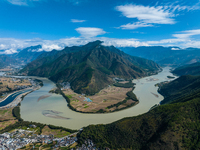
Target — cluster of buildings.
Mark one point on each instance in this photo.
(88, 145)
(20, 138)
(65, 85)
(118, 79)
(7, 142)
(65, 141)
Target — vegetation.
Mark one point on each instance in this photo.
(170, 77)
(192, 69)
(180, 89)
(162, 128)
(61, 128)
(16, 113)
(89, 68)
(26, 124)
(39, 81)
(170, 126)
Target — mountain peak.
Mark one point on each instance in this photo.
(91, 67)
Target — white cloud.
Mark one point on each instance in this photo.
(90, 32)
(30, 2)
(23, 2)
(150, 15)
(123, 42)
(135, 25)
(10, 51)
(184, 40)
(11, 45)
(191, 44)
(50, 47)
(18, 2)
(187, 34)
(175, 49)
(76, 2)
(77, 21)
(147, 14)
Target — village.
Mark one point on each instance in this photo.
(19, 138)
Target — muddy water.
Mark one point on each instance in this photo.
(33, 110)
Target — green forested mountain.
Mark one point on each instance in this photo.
(171, 126)
(192, 69)
(164, 56)
(91, 67)
(181, 89)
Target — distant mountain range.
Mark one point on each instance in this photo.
(164, 56)
(28, 54)
(7, 60)
(23, 56)
(89, 68)
(192, 69)
(173, 56)
(171, 126)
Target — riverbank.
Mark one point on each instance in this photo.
(31, 109)
(109, 99)
(18, 99)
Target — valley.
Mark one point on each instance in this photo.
(56, 102)
(99, 75)
(131, 96)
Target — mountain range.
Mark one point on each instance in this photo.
(28, 54)
(166, 56)
(89, 68)
(7, 61)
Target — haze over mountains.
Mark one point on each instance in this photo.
(28, 54)
(91, 67)
(164, 56)
(23, 56)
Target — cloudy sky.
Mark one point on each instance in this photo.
(58, 23)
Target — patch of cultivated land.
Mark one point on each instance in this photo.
(6, 118)
(10, 84)
(106, 97)
(56, 132)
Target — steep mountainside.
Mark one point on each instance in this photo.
(166, 55)
(181, 89)
(170, 126)
(91, 67)
(28, 54)
(7, 61)
(192, 69)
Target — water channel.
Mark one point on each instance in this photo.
(34, 110)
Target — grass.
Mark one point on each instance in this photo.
(6, 118)
(86, 106)
(69, 96)
(56, 132)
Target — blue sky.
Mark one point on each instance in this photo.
(58, 23)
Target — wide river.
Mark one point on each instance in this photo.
(33, 109)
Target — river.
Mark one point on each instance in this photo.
(45, 110)
(12, 97)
